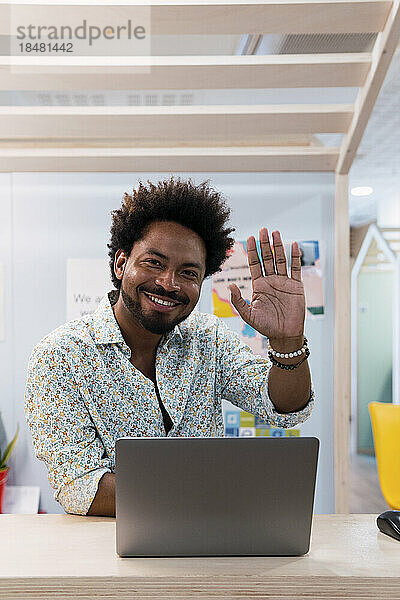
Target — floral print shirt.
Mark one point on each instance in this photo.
(83, 393)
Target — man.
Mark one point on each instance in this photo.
(145, 364)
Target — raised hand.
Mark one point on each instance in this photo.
(277, 308)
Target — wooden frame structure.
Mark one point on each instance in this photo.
(244, 138)
(373, 236)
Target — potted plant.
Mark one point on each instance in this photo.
(3, 466)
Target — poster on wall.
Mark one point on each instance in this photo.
(236, 270)
(312, 275)
(88, 280)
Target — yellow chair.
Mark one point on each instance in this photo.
(385, 420)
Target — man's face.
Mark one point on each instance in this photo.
(162, 277)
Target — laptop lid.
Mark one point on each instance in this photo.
(214, 496)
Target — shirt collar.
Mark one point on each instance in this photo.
(106, 329)
(173, 336)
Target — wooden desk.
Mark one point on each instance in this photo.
(65, 556)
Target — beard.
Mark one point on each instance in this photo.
(157, 323)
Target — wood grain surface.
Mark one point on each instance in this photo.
(67, 556)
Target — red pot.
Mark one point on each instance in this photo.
(3, 481)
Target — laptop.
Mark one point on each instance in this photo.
(214, 496)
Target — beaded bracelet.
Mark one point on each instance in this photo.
(288, 367)
(289, 354)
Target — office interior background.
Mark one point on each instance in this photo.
(71, 144)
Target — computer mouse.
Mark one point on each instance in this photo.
(389, 522)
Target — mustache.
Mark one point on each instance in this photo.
(159, 291)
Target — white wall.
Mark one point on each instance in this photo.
(52, 217)
(7, 347)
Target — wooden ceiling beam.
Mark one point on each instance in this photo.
(246, 159)
(183, 72)
(244, 125)
(192, 17)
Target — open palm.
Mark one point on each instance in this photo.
(277, 308)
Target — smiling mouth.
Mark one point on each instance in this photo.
(160, 302)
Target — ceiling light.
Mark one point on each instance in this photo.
(361, 191)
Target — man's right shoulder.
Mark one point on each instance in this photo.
(66, 337)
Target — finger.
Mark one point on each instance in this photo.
(239, 303)
(253, 259)
(296, 262)
(266, 252)
(280, 256)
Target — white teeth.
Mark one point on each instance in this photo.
(163, 302)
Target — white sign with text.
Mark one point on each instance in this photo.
(88, 280)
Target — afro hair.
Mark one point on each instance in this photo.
(197, 207)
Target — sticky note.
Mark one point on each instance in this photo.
(277, 432)
(292, 432)
(247, 432)
(246, 419)
(232, 418)
(232, 432)
(262, 431)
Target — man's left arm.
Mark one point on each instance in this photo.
(244, 379)
(289, 389)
